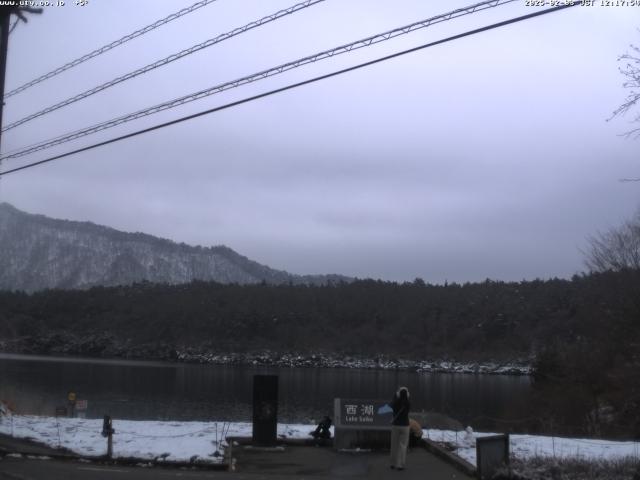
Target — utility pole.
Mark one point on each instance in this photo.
(4, 40)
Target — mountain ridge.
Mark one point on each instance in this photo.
(40, 252)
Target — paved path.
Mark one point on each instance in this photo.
(10, 444)
(323, 462)
(286, 466)
(35, 469)
(287, 463)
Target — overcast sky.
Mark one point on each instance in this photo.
(487, 157)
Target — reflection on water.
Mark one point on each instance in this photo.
(154, 390)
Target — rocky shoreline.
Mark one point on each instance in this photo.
(106, 346)
(323, 360)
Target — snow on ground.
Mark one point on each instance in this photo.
(184, 441)
(527, 446)
(173, 441)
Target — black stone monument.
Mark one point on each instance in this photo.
(265, 409)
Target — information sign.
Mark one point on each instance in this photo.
(366, 413)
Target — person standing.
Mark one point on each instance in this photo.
(400, 428)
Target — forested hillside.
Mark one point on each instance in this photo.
(479, 320)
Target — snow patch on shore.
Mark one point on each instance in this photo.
(530, 446)
(199, 441)
(147, 440)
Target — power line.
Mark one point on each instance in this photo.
(110, 46)
(165, 61)
(381, 37)
(21, 151)
(292, 86)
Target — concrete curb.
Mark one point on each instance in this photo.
(125, 461)
(294, 442)
(31, 449)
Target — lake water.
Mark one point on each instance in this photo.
(155, 390)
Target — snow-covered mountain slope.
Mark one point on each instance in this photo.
(37, 252)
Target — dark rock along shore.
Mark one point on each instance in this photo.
(106, 346)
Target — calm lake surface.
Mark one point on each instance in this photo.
(162, 391)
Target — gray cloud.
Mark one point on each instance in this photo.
(486, 157)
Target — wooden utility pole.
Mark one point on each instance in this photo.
(4, 40)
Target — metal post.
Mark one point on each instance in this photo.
(108, 431)
(110, 445)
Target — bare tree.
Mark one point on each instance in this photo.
(616, 249)
(631, 72)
